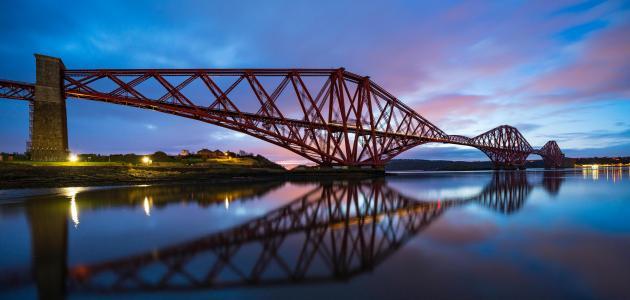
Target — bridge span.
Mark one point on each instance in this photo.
(332, 117)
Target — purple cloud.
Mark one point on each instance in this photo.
(466, 66)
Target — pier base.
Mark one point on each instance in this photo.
(49, 130)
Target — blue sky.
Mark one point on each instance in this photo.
(554, 69)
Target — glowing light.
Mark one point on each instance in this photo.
(71, 192)
(595, 167)
(227, 203)
(147, 206)
(73, 157)
(146, 160)
(74, 211)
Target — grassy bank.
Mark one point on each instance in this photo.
(25, 175)
(62, 174)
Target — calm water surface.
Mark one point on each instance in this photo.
(478, 235)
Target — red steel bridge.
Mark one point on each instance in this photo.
(330, 116)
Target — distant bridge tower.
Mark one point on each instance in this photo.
(49, 131)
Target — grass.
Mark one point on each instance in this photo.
(23, 174)
(68, 164)
(236, 162)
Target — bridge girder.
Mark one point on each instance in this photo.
(504, 145)
(329, 116)
(551, 154)
(16, 90)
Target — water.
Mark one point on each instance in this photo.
(469, 235)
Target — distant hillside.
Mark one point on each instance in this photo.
(447, 165)
(603, 160)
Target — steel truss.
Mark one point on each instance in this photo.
(330, 116)
(16, 90)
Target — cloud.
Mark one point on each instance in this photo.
(432, 151)
(227, 135)
(605, 150)
(524, 127)
(447, 109)
(598, 72)
(596, 137)
(467, 67)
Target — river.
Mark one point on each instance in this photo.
(450, 235)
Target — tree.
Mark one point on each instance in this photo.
(160, 156)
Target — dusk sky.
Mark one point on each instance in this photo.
(556, 70)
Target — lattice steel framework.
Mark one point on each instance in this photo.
(504, 145)
(16, 90)
(329, 116)
(552, 155)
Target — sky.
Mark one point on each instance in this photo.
(556, 70)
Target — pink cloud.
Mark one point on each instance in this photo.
(443, 108)
(600, 69)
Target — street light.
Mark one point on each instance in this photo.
(146, 160)
(73, 157)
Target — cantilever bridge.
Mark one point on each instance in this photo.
(329, 116)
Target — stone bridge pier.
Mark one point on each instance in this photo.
(49, 130)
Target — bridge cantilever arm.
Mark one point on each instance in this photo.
(328, 116)
(17, 90)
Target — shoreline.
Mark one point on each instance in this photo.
(17, 176)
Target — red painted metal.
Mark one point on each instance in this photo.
(16, 90)
(330, 116)
(504, 145)
(551, 154)
(508, 149)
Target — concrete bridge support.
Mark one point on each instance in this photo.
(49, 130)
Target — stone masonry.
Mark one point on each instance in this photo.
(49, 136)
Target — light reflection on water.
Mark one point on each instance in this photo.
(496, 235)
(614, 174)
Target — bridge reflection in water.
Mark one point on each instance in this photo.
(335, 231)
